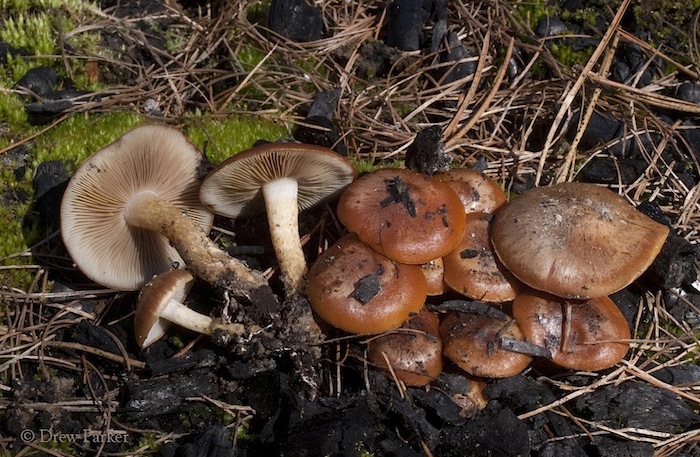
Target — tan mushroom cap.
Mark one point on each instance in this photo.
(575, 240)
(414, 351)
(358, 290)
(154, 297)
(472, 341)
(476, 191)
(280, 179)
(588, 335)
(151, 159)
(472, 268)
(409, 217)
(233, 188)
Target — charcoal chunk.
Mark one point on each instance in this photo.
(296, 20)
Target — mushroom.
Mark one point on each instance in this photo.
(281, 179)
(588, 335)
(476, 191)
(413, 352)
(132, 210)
(575, 240)
(161, 303)
(472, 268)
(434, 272)
(358, 290)
(473, 341)
(406, 216)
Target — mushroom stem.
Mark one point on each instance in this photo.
(148, 211)
(179, 314)
(283, 219)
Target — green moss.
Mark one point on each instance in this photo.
(531, 12)
(79, 136)
(257, 11)
(567, 56)
(72, 141)
(12, 114)
(148, 441)
(33, 25)
(365, 166)
(222, 138)
(15, 188)
(33, 32)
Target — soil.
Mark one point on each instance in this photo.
(74, 381)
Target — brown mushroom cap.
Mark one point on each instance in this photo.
(414, 351)
(575, 240)
(161, 302)
(472, 341)
(358, 290)
(473, 269)
(173, 285)
(434, 272)
(588, 335)
(148, 160)
(476, 191)
(409, 217)
(281, 179)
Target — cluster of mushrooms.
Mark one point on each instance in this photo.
(551, 258)
(137, 214)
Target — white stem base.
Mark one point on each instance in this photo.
(283, 219)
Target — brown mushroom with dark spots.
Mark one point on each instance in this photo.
(434, 272)
(473, 342)
(412, 352)
(477, 192)
(472, 268)
(161, 302)
(358, 290)
(280, 179)
(132, 210)
(575, 240)
(588, 335)
(406, 216)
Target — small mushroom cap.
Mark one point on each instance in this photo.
(575, 240)
(434, 272)
(154, 297)
(150, 158)
(414, 350)
(476, 191)
(473, 269)
(233, 188)
(472, 341)
(358, 290)
(592, 335)
(408, 217)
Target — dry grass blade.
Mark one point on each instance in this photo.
(571, 93)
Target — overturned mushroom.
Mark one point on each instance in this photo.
(129, 202)
(575, 240)
(408, 217)
(281, 179)
(161, 303)
(358, 290)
